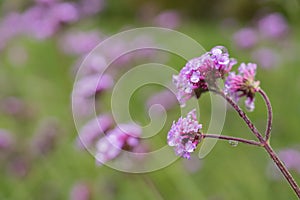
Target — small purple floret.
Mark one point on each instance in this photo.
(201, 73)
(243, 84)
(185, 135)
(125, 136)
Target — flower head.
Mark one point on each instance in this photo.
(185, 135)
(243, 84)
(202, 72)
(125, 136)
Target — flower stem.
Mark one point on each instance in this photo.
(264, 142)
(283, 169)
(270, 114)
(225, 137)
(243, 116)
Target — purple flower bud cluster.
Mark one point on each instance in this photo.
(168, 19)
(201, 73)
(80, 191)
(45, 139)
(243, 84)
(45, 18)
(123, 137)
(165, 98)
(291, 158)
(6, 140)
(265, 39)
(93, 130)
(185, 135)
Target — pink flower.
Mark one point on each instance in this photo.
(245, 38)
(6, 140)
(169, 19)
(273, 26)
(125, 136)
(201, 73)
(185, 135)
(80, 191)
(243, 84)
(93, 130)
(80, 42)
(164, 98)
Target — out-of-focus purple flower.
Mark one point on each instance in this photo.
(45, 137)
(19, 166)
(201, 73)
(47, 2)
(10, 26)
(80, 191)
(64, 12)
(12, 106)
(93, 64)
(245, 38)
(185, 135)
(6, 140)
(125, 136)
(243, 84)
(168, 19)
(38, 22)
(266, 58)
(93, 130)
(165, 98)
(291, 158)
(88, 86)
(42, 21)
(79, 43)
(273, 25)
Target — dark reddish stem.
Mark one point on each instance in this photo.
(243, 116)
(270, 114)
(264, 142)
(283, 169)
(230, 138)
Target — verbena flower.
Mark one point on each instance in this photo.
(243, 84)
(125, 136)
(93, 130)
(201, 73)
(273, 26)
(245, 38)
(184, 135)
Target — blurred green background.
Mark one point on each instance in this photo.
(44, 83)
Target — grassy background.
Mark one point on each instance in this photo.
(228, 173)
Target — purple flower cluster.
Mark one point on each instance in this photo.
(201, 73)
(243, 84)
(291, 158)
(80, 191)
(123, 137)
(93, 130)
(168, 19)
(273, 25)
(265, 39)
(185, 135)
(45, 18)
(6, 140)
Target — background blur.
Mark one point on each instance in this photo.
(41, 44)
